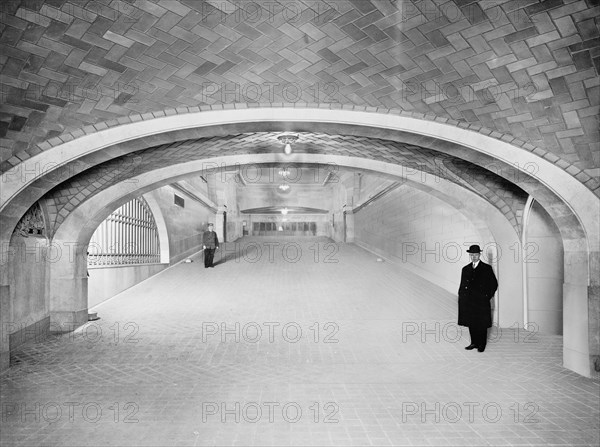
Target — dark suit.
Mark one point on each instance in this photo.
(211, 243)
(477, 288)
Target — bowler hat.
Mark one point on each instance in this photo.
(474, 249)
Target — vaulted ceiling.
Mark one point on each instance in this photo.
(504, 195)
(525, 68)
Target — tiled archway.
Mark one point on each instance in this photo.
(473, 147)
(57, 163)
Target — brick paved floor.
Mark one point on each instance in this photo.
(263, 350)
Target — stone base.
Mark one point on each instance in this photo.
(67, 321)
(37, 331)
(577, 361)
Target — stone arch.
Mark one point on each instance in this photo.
(161, 226)
(571, 203)
(488, 221)
(134, 118)
(105, 281)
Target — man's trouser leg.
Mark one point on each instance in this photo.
(478, 337)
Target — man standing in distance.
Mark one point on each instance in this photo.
(477, 287)
(210, 243)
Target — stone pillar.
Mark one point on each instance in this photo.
(594, 329)
(576, 304)
(355, 196)
(349, 219)
(5, 313)
(68, 288)
(593, 295)
(542, 256)
(5, 304)
(219, 220)
(234, 221)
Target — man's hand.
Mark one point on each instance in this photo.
(204, 247)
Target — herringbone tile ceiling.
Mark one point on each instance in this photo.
(528, 68)
(501, 193)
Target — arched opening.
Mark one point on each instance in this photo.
(576, 221)
(125, 249)
(489, 224)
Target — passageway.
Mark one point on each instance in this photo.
(291, 341)
(401, 129)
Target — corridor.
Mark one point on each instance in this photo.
(292, 341)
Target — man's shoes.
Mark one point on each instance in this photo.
(480, 349)
(471, 346)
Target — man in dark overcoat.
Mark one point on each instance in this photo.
(210, 243)
(477, 287)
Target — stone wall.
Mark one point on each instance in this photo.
(543, 259)
(419, 232)
(29, 314)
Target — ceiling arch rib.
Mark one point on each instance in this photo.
(416, 162)
(84, 219)
(188, 123)
(470, 146)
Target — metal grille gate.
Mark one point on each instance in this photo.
(128, 236)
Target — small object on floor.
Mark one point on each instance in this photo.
(187, 261)
(93, 316)
(379, 260)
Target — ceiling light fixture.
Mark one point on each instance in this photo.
(288, 140)
(284, 211)
(284, 187)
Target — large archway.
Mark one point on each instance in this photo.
(488, 220)
(569, 202)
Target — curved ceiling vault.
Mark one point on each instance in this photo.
(418, 161)
(526, 69)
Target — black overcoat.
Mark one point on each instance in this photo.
(477, 288)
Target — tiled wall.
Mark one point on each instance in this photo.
(418, 232)
(185, 225)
